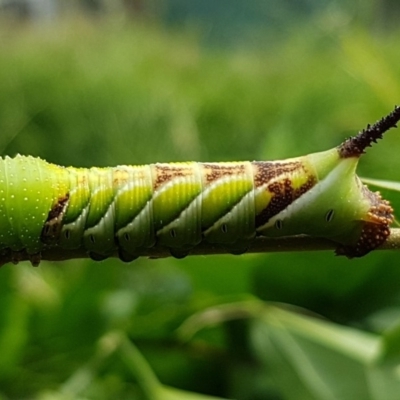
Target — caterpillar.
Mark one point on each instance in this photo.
(127, 209)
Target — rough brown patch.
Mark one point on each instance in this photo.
(216, 171)
(267, 171)
(166, 173)
(283, 195)
(52, 227)
(376, 228)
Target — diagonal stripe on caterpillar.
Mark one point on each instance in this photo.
(131, 208)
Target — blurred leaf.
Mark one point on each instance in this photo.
(309, 358)
(384, 373)
(391, 344)
(384, 380)
(166, 393)
(313, 359)
(391, 185)
(339, 289)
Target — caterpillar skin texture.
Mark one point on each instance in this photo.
(126, 209)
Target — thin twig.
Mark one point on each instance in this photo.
(259, 245)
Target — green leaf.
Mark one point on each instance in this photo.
(384, 373)
(168, 393)
(384, 380)
(391, 185)
(311, 358)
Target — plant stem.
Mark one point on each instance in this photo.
(259, 245)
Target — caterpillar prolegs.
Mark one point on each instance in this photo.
(127, 209)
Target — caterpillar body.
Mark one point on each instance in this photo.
(126, 209)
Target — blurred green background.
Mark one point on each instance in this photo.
(103, 83)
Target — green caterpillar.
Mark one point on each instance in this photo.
(127, 209)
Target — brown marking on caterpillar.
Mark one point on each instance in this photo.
(166, 173)
(52, 227)
(214, 172)
(266, 171)
(376, 228)
(283, 195)
(355, 146)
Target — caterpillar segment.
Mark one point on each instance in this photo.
(128, 209)
(131, 208)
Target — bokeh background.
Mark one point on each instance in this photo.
(102, 83)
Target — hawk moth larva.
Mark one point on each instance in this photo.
(129, 208)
